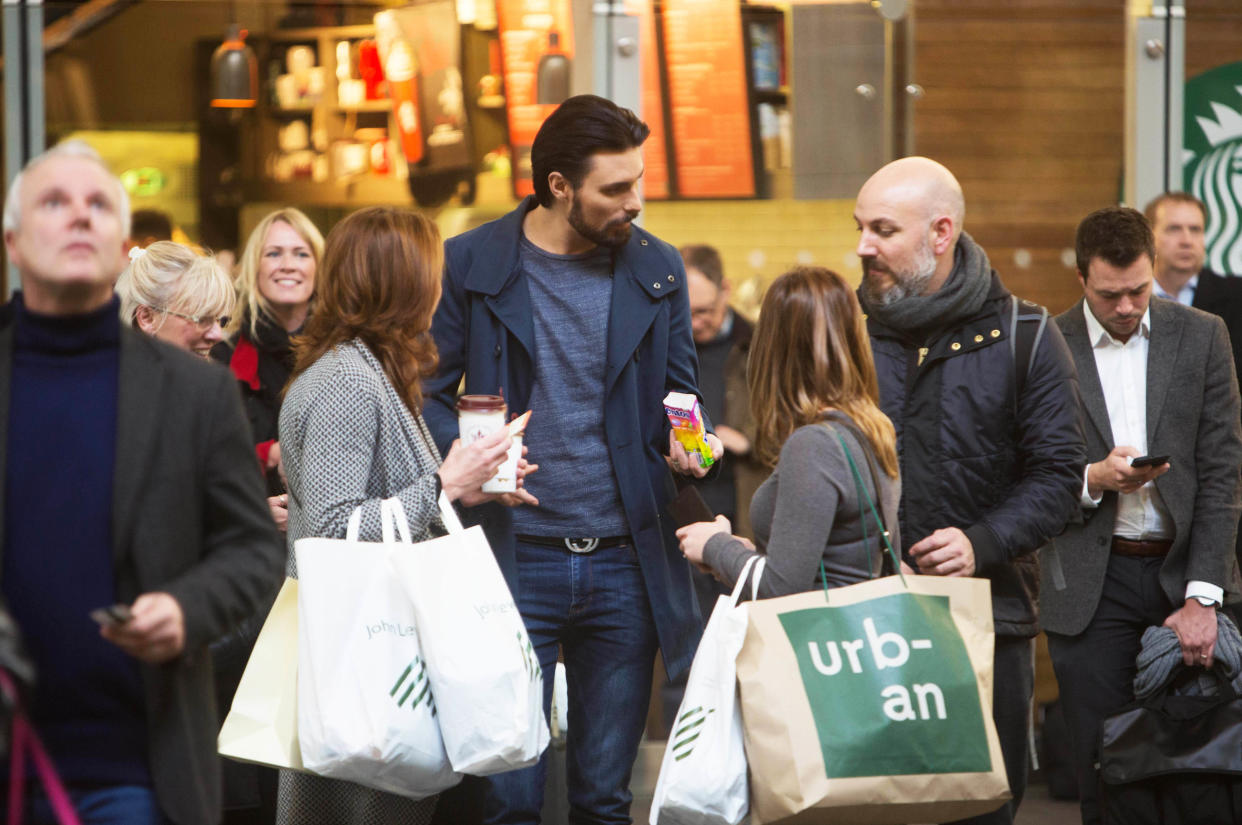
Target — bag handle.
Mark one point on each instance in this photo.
(392, 512)
(757, 562)
(864, 495)
(448, 515)
(26, 741)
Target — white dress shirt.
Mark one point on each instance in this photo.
(1122, 367)
(1185, 296)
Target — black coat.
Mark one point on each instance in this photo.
(188, 519)
(1006, 471)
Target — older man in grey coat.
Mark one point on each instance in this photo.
(1161, 492)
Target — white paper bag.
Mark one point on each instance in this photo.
(703, 776)
(366, 711)
(262, 723)
(483, 667)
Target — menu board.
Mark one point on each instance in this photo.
(537, 49)
(708, 98)
(655, 150)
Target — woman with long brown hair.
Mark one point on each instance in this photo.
(815, 399)
(353, 435)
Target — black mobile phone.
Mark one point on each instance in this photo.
(112, 615)
(1149, 461)
(689, 507)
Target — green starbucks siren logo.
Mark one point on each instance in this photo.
(891, 687)
(1212, 158)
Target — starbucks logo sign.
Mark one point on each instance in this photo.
(1212, 161)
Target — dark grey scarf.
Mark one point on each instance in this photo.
(961, 296)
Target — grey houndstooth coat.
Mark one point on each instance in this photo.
(349, 441)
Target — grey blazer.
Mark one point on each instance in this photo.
(1193, 416)
(348, 440)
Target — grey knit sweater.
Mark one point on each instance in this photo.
(808, 510)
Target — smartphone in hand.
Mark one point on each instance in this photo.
(689, 507)
(1149, 461)
(112, 615)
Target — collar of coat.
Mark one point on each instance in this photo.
(644, 258)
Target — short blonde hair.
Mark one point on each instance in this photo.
(169, 276)
(248, 269)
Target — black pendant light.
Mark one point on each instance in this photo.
(234, 72)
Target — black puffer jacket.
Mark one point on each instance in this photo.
(1010, 482)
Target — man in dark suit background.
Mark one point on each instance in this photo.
(1178, 221)
(1154, 544)
(128, 478)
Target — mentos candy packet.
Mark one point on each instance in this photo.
(686, 417)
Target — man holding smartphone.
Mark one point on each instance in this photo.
(128, 483)
(1153, 543)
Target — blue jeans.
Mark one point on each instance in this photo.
(117, 805)
(594, 607)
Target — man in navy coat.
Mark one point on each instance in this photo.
(584, 319)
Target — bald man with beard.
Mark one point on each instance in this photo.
(984, 396)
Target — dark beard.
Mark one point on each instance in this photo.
(613, 234)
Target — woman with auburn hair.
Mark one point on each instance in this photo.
(275, 292)
(353, 436)
(814, 395)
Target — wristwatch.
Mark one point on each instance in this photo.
(1207, 602)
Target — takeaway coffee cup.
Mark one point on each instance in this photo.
(477, 417)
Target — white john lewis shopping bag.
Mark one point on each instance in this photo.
(483, 667)
(366, 710)
(703, 777)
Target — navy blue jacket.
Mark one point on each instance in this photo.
(1006, 471)
(484, 331)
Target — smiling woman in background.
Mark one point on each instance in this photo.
(275, 289)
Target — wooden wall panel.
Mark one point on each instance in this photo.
(1025, 103)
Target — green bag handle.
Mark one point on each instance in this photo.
(865, 495)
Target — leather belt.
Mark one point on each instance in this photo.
(576, 545)
(1144, 549)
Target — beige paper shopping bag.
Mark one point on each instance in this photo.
(872, 704)
(262, 725)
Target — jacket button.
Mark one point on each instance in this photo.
(498, 350)
(655, 285)
(671, 279)
(955, 346)
(995, 333)
(978, 339)
(644, 243)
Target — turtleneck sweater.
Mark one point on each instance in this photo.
(57, 553)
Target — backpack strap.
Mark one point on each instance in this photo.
(1024, 340)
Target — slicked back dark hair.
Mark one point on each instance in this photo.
(1117, 235)
(581, 127)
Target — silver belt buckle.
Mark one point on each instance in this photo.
(586, 545)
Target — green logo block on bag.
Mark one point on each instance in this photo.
(891, 687)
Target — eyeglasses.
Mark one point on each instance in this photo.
(203, 322)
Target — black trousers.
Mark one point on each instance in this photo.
(1095, 669)
(1013, 684)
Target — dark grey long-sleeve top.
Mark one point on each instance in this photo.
(808, 510)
